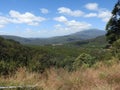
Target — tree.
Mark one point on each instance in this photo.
(113, 26)
(83, 59)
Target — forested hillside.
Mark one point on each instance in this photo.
(70, 66)
(95, 42)
(79, 36)
(13, 55)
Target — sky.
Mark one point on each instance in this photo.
(48, 18)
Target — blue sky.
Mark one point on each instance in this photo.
(47, 18)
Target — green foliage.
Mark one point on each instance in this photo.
(113, 26)
(13, 55)
(96, 42)
(116, 44)
(116, 49)
(83, 59)
(113, 31)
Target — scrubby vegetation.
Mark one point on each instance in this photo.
(38, 58)
(65, 67)
(80, 65)
(102, 76)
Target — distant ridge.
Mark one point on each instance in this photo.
(79, 36)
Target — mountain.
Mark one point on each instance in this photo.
(89, 34)
(79, 36)
(99, 41)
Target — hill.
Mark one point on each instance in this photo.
(99, 41)
(12, 55)
(79, 36)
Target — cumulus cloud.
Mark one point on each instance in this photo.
(44, 10)
(60, 19)
(96, 11)
(101, 13)
(18, 18)
(91, 6)
(77, 25)
(67, 11)
(3, 21)
(104, 15)
(91, 15)
(64, 27)
(71, 26)
(27, 18)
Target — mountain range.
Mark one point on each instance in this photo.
(79, 36)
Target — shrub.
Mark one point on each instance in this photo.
(116, 49)
(83, 59)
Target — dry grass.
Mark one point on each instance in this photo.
(100, 78)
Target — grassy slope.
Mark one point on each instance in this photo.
(103, 76)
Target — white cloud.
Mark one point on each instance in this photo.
(71, 26)
(62, 27)
(61, 19)
(91, 15)
(91, 6)
(67, 11)
(27, 18)
(72, 23)
(101, 13)
(3, 21)
(68, 28)
(44, 10)
(18, 18)
(77, 25)
(104, 15)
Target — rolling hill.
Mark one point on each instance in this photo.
(79, 36)
(99, 41)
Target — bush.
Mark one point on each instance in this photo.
(116, 49)
(83, 59)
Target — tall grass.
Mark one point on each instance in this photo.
(102, 77)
